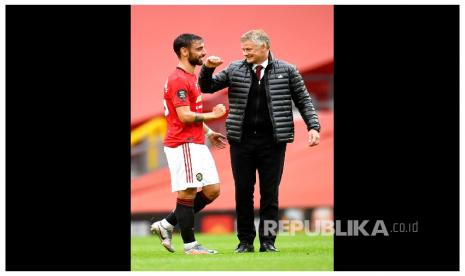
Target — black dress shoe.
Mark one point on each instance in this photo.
(244, 247)
(268, 247)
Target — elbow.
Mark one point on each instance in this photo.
(205, 89)
(185, 119)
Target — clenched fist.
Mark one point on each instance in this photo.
(219, 110)
(213, 62)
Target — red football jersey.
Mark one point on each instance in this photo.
(181, 89)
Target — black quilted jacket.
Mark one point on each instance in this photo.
(284, 84)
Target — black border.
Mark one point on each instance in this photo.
(68, 122)
(397, 134)
(68, 138)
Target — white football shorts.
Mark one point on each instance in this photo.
(191, 165)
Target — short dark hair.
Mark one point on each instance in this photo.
(184, 40)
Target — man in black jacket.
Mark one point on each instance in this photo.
(259, 124)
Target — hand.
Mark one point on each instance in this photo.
(219, 110)
(217, 139)
(313, 138)
(213, 62)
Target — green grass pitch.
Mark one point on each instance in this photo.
(297, 253)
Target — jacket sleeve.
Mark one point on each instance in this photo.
(302, 99)
(210, 84)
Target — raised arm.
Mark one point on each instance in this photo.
(209, 83)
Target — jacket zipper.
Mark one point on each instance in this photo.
(268, 98)
(257, 106)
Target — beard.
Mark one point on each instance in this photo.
(195, 60)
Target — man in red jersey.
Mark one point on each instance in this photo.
(189, 159)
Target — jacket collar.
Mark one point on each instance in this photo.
(270, 58)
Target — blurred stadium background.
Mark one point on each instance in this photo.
(302, 35)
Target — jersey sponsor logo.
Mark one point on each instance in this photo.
(182, 95)
(198, 103)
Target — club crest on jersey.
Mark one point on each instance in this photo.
(199, 177)
(182, 95)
